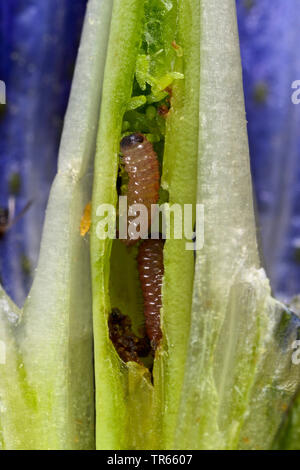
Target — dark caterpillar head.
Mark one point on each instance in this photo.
(132, 140)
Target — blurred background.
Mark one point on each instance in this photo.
(38, 47)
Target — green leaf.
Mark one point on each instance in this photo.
(111, 375)
(136, 102)
(236, 369)
(288, 437)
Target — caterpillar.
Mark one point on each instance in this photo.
(151, 271)
(142, 166)
(129, 346)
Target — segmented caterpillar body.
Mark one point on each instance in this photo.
(151, 271)
(142, 166)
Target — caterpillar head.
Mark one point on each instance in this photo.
(131, 141)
